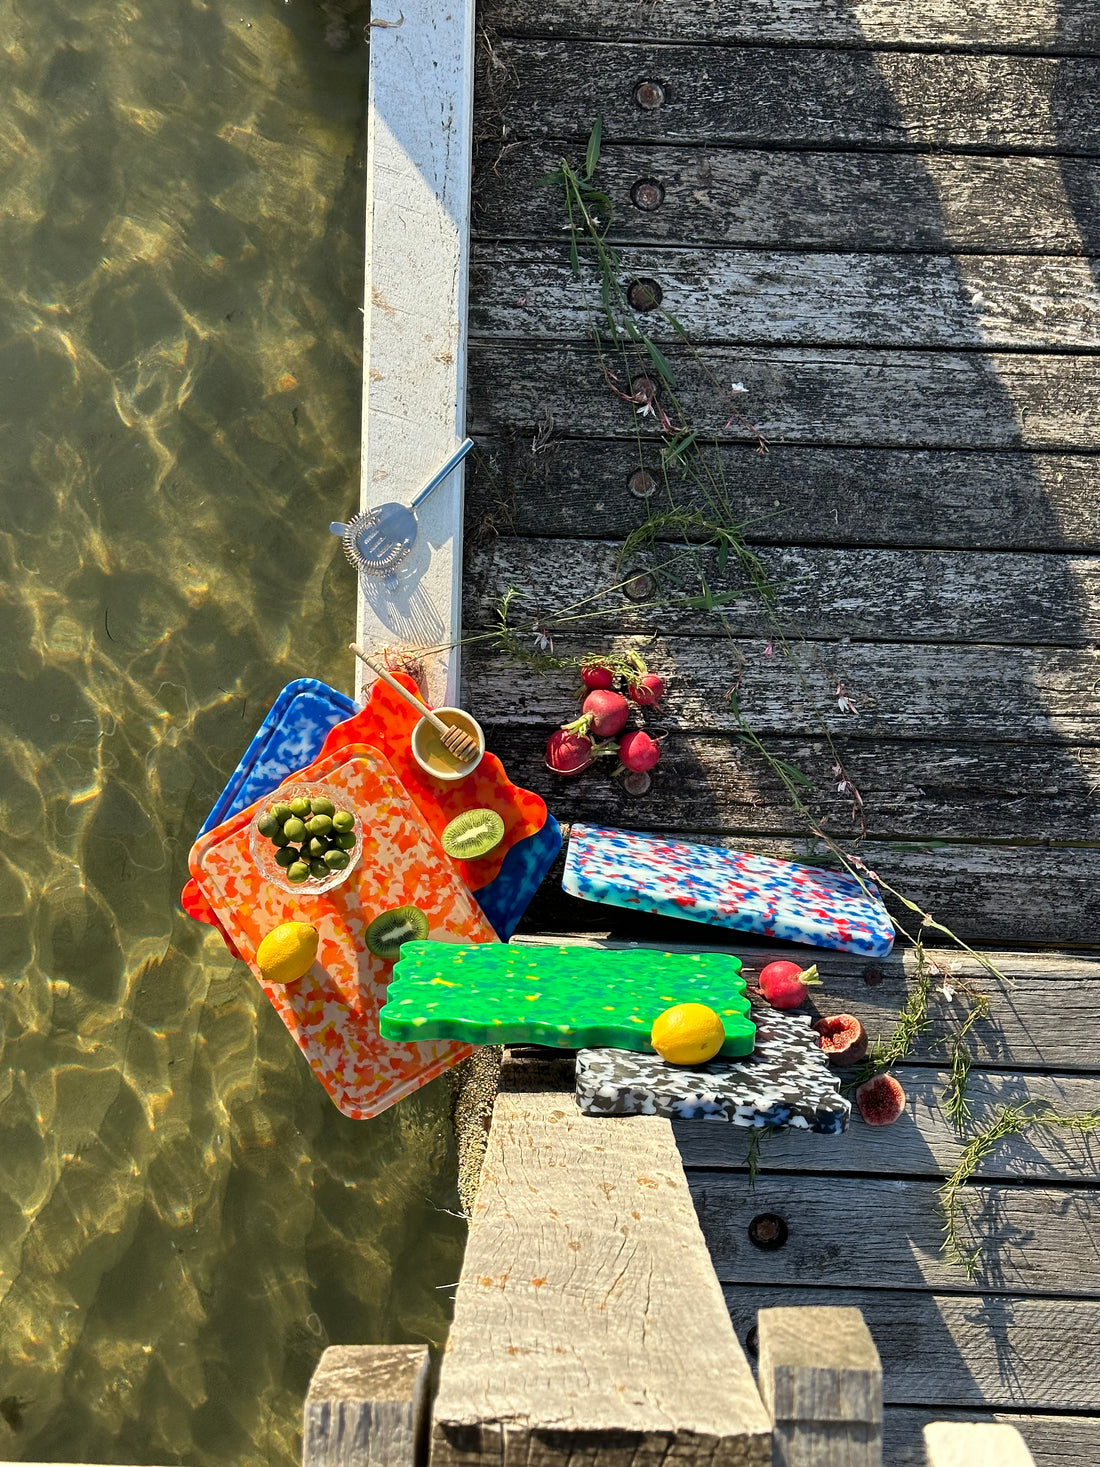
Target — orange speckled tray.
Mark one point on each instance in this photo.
(386, 723)
(333, 1011)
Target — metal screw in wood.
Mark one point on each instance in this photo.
(454, 739)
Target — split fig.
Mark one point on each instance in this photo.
(842, 1038)
(880, 1100)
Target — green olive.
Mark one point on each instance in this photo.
(286, 857)
(294, 829)
(300, 807)
(337, 860)
(298, 872)
(317, 867)
(319, 825)
(343, 821)
(346, 840)
(322, 806)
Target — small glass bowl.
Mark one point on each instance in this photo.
(263, 851)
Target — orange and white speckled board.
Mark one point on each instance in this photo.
(333, 1011)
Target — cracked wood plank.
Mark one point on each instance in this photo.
(784, 298)
(802, 96)
(965, 1345)
(1072, 25)
(367, 1406)
(1038, 894)
(588, 1318)
(1042, 1016)
(820, 593)
(1034, 1239)
(915, 690)
(911, 790)
(807, 200)
(829, 395)
(839, 496)
(924, 1143)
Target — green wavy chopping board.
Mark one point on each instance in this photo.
(571, 997)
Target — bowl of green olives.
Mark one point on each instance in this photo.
(306, 838)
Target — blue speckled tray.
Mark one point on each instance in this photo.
(291, 737)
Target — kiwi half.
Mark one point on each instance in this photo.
(473, 833)
(389, 930)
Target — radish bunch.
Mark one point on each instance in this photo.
(601, 728)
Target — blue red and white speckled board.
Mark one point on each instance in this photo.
(648, 873)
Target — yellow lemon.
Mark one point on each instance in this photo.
(687, 1034)
(287, 952)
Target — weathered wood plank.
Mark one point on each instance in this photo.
(806, 200)
(1054, 1440)
(901, 691)
(954, 1444)
(994, 895)
(877, 595)
(528, 291)
(825, 396)
(418, 150)
(950, 1350)
(367, 1406)
(588, 1318)
(911, 790)
(802, 96)
(1044, 1015)
(874, 1233)
(791, 495)
(821, 1379)
(1070, 26)
(923, 1142)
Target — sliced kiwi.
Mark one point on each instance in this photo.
(473, 833)
(388, 931)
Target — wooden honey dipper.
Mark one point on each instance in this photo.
(454, 739)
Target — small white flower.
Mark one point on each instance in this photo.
(646, 410)
(738, 387)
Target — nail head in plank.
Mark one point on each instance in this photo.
(966, 1444)
(821, 1379)
(588, 1316)
(367, 1407)
(419, 145)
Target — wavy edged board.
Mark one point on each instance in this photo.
(562, 996)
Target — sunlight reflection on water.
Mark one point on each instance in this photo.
(185, 1220)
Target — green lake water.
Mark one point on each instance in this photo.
(185, 1219)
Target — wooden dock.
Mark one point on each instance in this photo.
(881, 219)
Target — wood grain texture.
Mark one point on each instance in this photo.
(792, 495)
(1043, 1015)
(992, 895)
(911, 790)
(826, 593)
(800, 395)
(955, 1351)
(955, 1444)
(588, 1318)
(419, 143)
(367, 1406)
(923, 1142)
(771, 298)
(806, 199)
(802, 96)
(1054, 1440)
(1069, 26)
(901, 691)
(1033, 1238)
(821, 1379)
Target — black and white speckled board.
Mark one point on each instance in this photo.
(785, 1082)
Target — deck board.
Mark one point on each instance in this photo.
(879, 218)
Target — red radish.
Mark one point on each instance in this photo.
(597, 677)
(784, 984)
(603, 713)
(648, 691)
(880, 1100)
(843, 1038)
(638, 752)
(568, 753)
